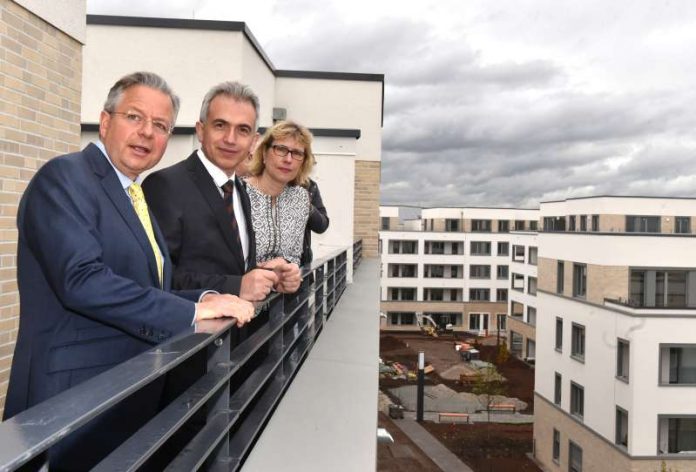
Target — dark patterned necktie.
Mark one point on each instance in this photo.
(228, 198)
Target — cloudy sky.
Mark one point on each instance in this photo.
(505, 102)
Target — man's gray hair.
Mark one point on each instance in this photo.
(148, 79)
(235, 90)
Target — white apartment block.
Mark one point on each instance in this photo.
(615, 386)
(453, 265)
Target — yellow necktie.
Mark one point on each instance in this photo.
(140, 205)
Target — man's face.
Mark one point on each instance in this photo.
(227, 136)
(135, 147)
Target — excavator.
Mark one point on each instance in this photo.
(429, 327)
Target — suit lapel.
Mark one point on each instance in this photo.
(206, 186)
(119, 198)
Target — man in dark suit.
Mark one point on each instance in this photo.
(94, 272)
(203, 208)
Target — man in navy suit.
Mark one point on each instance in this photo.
(94, 275)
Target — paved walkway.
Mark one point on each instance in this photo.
(480, 417)
(433, 448)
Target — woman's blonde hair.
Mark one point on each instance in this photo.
(283, 130)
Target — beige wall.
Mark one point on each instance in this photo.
(598, 455)
(40, 72)
(602, 281)
(366, 205)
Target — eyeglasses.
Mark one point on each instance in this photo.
(134, 119)
(282, 151)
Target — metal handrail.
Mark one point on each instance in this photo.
(236, 409)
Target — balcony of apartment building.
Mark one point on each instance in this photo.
(658, 291)
(619, 223)
(299, 392)
(443, 248)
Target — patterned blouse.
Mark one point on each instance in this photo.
(279, 228)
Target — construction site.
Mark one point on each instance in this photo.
(477, 403)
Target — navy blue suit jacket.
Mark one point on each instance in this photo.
(88, 283)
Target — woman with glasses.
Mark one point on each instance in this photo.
(280, 205)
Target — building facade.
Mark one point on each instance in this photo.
(453, 264)
(40, 87)
(616, 335)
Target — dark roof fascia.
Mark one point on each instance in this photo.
(214, 25)
(182, 23)
(189, 130)
(653, 197)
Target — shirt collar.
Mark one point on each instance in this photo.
(124, 179)
(218, 175)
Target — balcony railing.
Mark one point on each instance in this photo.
(236, 409)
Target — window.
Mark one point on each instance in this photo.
(502, 272)
(533, 225)
(455, 295)
(451, 225)
(519, 225)
(401, 318)
(402, 270)
(680, 433)
(518, 253)
(474, 321)
(678, 364)
(556, 445)
(595, 222)
(503, 226)
(559, 334)
(433, 294)
(532, 256)
(554, 223)
(403, 247)
(663, 288)
(516, 344)
(642, 224)
(531, 285)
(503, 249)
(479, 294)
(531, 351)
(480, 226)
(434, 247)
(579, 280)
(621, 427)
(480, 248)
(454, 271)
(571, 223)
(622, 359)
(557, 386)
(434, 271)
(682, 224)
(517, 282)
(457, 248)
(401, 294)
(560, 275)
(577, 400)
(480, 271)
(531, 315)
(583, 223)
(385, 223)
(502, 321)
(574, 457)
(501, 295)
(577, 344)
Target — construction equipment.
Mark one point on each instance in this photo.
(429, 327)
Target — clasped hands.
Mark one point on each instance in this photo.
(278, 274)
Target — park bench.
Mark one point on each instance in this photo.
(453, 417)
(502, 407)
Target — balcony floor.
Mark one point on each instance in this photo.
(327, 419)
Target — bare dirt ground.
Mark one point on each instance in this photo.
(485, 447)
(402, 455)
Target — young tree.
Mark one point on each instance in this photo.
(489, 383)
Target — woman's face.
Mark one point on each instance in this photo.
(284, 168)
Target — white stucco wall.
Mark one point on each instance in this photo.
(340, 104)
(619, 206)
(66, 15)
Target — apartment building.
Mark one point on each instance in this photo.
(522, 305)
(452, 264)
(615, 385)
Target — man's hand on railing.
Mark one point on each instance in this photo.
(289, 274)
(257, 283)
(215, 305)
